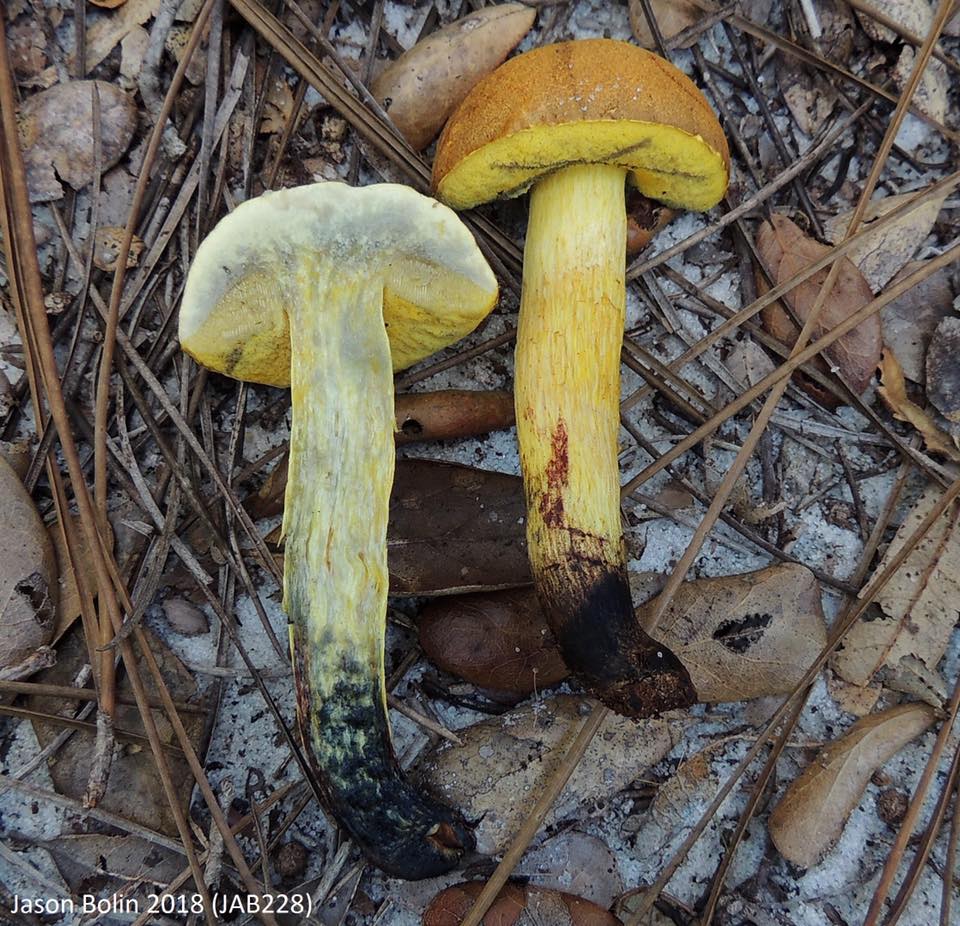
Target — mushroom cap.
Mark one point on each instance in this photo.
(240, 292)
(583, 102)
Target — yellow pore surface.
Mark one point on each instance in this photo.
(568, 361)
(243, 294)
(593, 101)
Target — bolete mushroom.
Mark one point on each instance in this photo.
(328, 289)
(574, 121)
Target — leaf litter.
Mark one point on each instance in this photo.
(234, 750)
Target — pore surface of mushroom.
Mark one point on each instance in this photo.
(329, 289)
(573, 122)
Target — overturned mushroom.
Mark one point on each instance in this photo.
(575, 121)
(328, 289)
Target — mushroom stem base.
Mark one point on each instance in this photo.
(567, 395)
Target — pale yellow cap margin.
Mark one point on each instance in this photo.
(240, 292)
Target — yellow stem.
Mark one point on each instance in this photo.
(567, 393)
(568, 360)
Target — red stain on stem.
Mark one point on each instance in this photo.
(551, 503)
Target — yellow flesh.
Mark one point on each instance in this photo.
(341, 470)
(667, 164)
(568, 362)
(241, 290)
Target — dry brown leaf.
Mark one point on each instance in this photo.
(133, 46)
(858, 700)
(931, 93)
(576, 863)
(893, 391)
(86, 860)
(516, 905)
(107, 247)
(808, 95)
(910, 320)
(27, 47)
(745, 636)
(943, 369)
(739, 637)
(787, 250)
(837, 31)
(673, 16)
(628, 905)
(57, 135)
(810, 816)
(919, 604)
(28, 592)
(277, 106)
(17, 454)
(883, 252)
(108, 4)
(106, 32)
(497, 774)
(176, 43)
(426, 84)
(915, 16)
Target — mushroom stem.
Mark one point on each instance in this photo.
(335, 577)
(567, 402)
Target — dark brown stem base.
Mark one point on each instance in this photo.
(403, 832)
(590, 612)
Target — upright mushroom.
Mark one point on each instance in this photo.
(575, 121)
(328, 289)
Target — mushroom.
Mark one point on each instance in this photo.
(328, 289)
(574, 121)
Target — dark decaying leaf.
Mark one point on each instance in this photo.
(917, 607)
(786, 250)
(498, 640)
(810, 816)
(454, 529)
(135, 790)
(56, 132)
(28, 574)
(645, 217)
(516, 905)
(739, 637)
(943, 369)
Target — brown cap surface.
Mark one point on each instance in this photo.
(585, 101)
